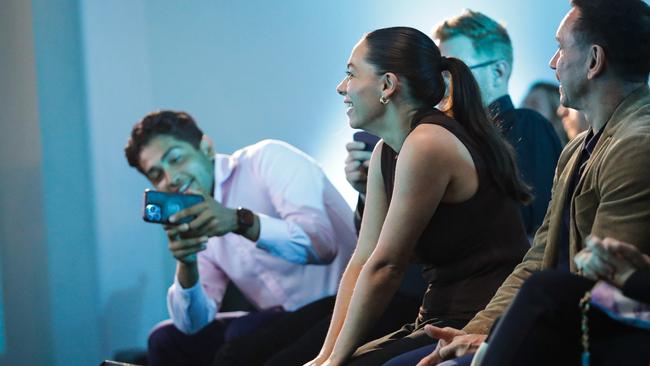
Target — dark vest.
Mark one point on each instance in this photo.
(467, 248)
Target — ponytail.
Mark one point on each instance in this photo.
(416, 58)
(466, 107)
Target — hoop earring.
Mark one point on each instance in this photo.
(383, 100)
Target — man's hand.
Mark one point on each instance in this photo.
(626, 252)
(592, 265)
(356, 165)
(451, 343)
(212, 219)
(610, 260)
(185, 249)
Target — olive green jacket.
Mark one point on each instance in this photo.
(611, 199)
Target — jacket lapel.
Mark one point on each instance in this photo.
(557, 204)
(598, 154)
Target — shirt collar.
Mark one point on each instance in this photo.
(224, 165)
(499, 107)
(634, 101)
(591, 140)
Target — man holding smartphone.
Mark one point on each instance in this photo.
(270, 222)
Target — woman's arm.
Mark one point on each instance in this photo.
(428, 160)
(373, 218)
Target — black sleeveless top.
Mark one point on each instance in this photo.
(468, 248)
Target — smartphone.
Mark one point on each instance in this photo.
(158, 206)
(367, 138)
(112, 363)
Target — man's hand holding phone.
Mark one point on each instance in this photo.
(210, 219)
(185, 249)
(190, 220)
(358, 160)
(356, 165)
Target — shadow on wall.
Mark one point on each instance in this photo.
(124, 304)
(23, 253)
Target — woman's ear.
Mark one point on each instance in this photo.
(390, 83)
(207, 147)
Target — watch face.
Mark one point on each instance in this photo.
(245, 217)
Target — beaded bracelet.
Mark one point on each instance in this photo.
(585, 305)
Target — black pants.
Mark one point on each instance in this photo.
(297, 337)
(168, 346)
(542, 327)
(407, 338)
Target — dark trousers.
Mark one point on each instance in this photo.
(542, 327)
(297, 338)
(169, 346)
(408, 338)
(413, 357)
(272, 339)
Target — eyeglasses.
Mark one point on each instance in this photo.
(483, 64)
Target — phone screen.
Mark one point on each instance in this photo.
(367, 138)
(159, 206)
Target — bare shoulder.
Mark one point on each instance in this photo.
(432, 141)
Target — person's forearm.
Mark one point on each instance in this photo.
(189, 307)
(302, 239)
(343, 297)
(375, 287)
(187, 274)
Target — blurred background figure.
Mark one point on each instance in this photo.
(572, 120)
(544, 97)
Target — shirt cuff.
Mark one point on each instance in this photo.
(272, 231)
(187, 295)
(636, 286)
(189, 308)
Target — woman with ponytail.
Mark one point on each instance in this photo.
(442, 190)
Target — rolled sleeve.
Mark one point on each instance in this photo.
(296, 185)
(190, 309)
(286, 240)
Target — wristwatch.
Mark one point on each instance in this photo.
(245, 220)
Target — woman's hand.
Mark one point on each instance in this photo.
(320, 360)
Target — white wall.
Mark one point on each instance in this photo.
(246, 70)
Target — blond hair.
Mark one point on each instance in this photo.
(487, 36)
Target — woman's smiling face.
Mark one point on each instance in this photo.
(361, 88)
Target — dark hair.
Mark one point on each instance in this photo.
(546, 86)
(179, 125)
(550, 90)
(415, 57)
(622, 29)
(551, 100)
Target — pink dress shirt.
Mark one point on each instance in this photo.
(307, 236)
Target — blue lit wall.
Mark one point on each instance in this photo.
(2, 317)
(82, 72)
